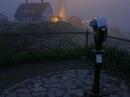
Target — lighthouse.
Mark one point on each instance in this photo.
(62, 11)
(61, 14)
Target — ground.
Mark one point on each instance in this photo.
(56, 79)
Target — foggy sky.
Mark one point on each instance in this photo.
(116, 11)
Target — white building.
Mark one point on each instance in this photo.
(30, 12)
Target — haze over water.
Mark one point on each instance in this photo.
(116, 11)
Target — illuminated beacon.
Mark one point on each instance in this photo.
(62, 12)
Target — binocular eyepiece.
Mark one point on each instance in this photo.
(99, 26)
(99, 23)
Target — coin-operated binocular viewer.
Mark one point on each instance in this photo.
(99, 26)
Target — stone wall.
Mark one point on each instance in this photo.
(42, 41)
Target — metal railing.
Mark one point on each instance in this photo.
(85, 39)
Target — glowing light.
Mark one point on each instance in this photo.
(55, 19)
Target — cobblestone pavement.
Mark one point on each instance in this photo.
(71, 83)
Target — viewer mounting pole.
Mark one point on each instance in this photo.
(99, 26)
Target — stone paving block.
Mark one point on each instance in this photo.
(39, 94)
(53, 85)
(58, 92)
(124, 87)
(44, 79)
(87, 81)
(7, 92)
(22, 90)
(77, 92)
(67, 95)
(39, 89)
(123, 94)
(78, 84)
(11, 95)
(114, 95)
(50, 81)
(58, 77)
(30, 87)
(114, 88)
(66, 78)
(37, 84)
(74, 93)
(24, 95)
(51, 94)
(69, 85)
(82, 74)
(71, 73)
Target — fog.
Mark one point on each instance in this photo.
(116, 11)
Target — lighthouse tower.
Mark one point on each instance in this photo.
(62, 12)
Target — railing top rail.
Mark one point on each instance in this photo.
(8, 34)
(117, 38)
(121, 39)
(53, 33)
(67, 33)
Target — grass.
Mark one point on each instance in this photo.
(111, 56)
(116, 61)
(13, 58)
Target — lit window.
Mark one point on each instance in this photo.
(55, 19)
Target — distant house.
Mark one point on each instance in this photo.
(75, 21)
(3, 18)
(34, 12)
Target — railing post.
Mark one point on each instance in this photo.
(87, 35)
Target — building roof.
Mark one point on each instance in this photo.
(33, 9)
(3, 17)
